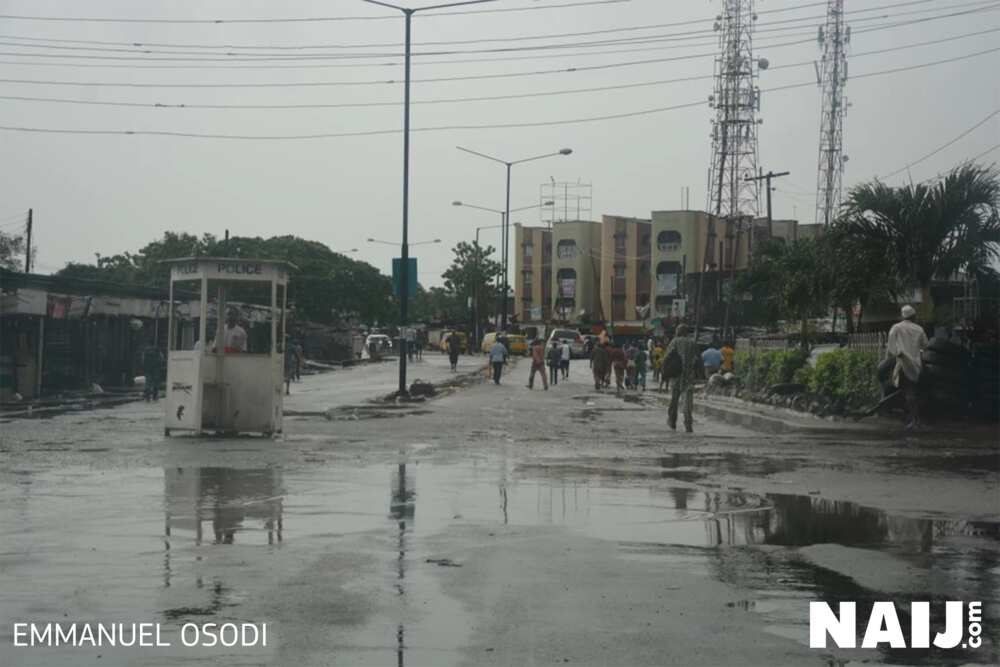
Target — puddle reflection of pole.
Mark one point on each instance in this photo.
(503, 503)
(401, 506)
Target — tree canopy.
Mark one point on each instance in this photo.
(323, 286)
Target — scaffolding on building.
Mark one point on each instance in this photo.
(571, 200)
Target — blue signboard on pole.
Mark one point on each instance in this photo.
(411, 275)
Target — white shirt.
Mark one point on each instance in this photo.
(906, 340)
(235, 337)
(565, 352)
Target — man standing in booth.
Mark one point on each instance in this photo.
(234, 336)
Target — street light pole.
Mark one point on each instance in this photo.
(404, 278)
(506, 220)
(504, 215)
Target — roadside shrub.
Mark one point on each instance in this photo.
(759, 370)
(848, 376)
(784, 364)
(804, 375)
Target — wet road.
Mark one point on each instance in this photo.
(491, 526)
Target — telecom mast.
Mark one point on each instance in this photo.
(736, 101)
(831, 75)
(733, 190)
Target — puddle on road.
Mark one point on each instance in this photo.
(228, 535)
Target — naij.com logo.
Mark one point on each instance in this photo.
(963, 626)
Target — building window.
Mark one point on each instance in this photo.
(668, 279)
(619, 271)
(668, 241)
(566, 283)
(566, 249)
(620, 242)
(529, 250)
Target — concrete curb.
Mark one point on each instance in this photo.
(757, 418)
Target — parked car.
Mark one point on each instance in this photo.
(380, 342)
(516, 343)
(570, 336)
(463, 346)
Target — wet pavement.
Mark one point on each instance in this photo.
(491, 526)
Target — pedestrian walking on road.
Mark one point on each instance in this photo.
(588, 349)
(454, 347)
(152, 362)
(538, 363)
(498, 357)
(907, 340)
(712, 359)
(682, 385)
(640, 370)
(600, 363)
(657, 358)
(554, 359)
(727, 357)
(618, 364)
(566, 355)
(291, 363)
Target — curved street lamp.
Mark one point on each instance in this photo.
(507, 211)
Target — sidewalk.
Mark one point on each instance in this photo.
(771, 419)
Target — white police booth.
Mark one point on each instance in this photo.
(225, 363)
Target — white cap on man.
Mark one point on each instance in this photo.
(908, 312)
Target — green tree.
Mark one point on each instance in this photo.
(323, 285)
(930, 230)
(794, 278)
(12, 247)
(859, 272)
(473, 274)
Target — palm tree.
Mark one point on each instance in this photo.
(929, 230)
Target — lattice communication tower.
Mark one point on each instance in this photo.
(736, 101)
(831, 75)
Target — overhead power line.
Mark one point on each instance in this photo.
(469, 77)
(943, 146)
(482, 126)
(263, 61)
(135, 46)
(303, 19)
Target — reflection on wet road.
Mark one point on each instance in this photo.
(233, 536)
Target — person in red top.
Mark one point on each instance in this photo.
(537, 363)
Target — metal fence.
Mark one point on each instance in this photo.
(872, 341)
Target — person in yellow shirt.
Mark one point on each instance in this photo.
(657, 359)
(727, 357)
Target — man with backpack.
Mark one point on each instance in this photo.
(680, 366)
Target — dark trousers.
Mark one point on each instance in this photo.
(910, 397)
(553, 374)
(564, 365)
(497, 370)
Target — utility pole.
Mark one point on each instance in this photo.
(767, 177)
(27, 252)
(831, 76)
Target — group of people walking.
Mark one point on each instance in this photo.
(557, 358)
(678, 362)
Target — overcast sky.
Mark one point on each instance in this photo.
(111, 194)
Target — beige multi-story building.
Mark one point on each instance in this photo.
(629, 270)
(576, 270)
(681, 251)
(626, 279)
(533, 279)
